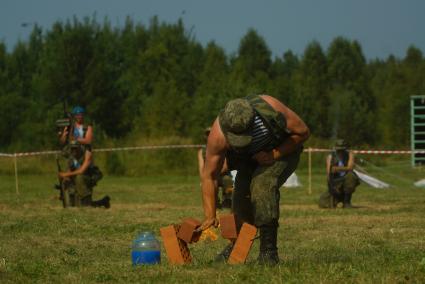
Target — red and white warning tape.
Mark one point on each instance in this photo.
(41, 153)
(147, 148)
(375, 152)
(154, 147)
(6, 155)
(384, 152)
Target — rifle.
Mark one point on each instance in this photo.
(64, 192)
(62, 124)
(65, 122)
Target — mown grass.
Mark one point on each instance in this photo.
(381, 241)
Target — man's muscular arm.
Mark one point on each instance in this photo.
(216, 150)
(80, 170)
(299, 133)
(349, 167)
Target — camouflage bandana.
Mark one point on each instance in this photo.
(236, 122)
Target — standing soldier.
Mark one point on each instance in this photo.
(80, 131)
(262, 139)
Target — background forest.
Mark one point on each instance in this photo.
(152, 82)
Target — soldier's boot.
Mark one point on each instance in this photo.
(224, 255)
(268, 245)
(105, 202)
(347, 200)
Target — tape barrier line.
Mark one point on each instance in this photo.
(147, 148)
(6, 155)
(389, 152)
(41, 153)
(155, 147)
(375, 152)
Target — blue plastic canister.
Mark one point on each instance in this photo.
(146, 249)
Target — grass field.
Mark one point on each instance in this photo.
(382, 241)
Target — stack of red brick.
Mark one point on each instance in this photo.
(177, 237)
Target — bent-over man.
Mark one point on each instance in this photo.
(262, 139)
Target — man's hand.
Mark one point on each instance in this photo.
(63, 175)
(264, 158)
(339, 169)
(65, 131)
(207, 223)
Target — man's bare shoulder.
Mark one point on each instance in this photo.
(217, 143)
(275, 103)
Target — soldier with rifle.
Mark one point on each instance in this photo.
(77, 129)
(76, 184)
(81, 177)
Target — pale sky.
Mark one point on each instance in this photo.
(382, 27)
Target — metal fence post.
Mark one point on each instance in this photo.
(15, 160)
(309, 170)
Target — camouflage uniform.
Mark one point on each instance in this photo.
(250, 126)
(341, 185)
(81, 186)
(256, 195)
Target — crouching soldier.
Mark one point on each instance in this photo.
(342, 180)
(82, 176)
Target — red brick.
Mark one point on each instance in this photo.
(228, 227)
(176, 249)
(187, 230)
(243, 244)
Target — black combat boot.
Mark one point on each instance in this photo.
(268, 245)
(347, 200)
(102, 202)
(224, 255)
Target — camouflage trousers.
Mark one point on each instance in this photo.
(82, 186)
(346, 184)
(340, 186)
(225, 183)
(256, 194)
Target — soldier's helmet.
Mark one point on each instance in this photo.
(236, 121)
(78, 110)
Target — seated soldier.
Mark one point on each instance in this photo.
(342, 181)
(82, 176)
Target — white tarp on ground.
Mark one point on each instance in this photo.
(376, 183)
(233, 173)
(292, 181)
(420, 183)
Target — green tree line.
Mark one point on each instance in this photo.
(156, 80)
